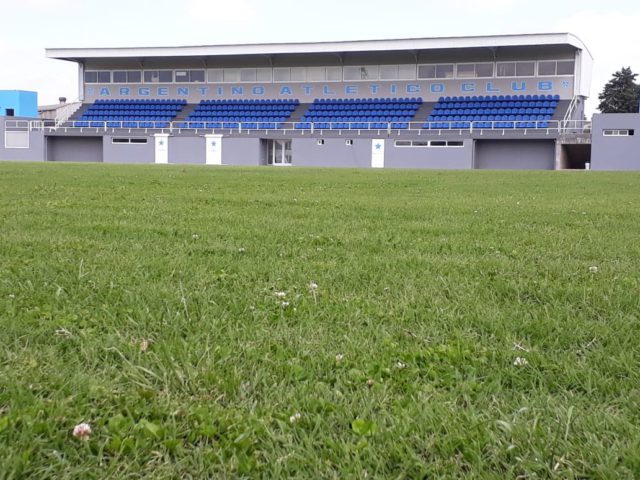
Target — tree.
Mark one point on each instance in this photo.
(621, 94)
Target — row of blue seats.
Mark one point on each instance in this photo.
(254, 102)
(357, 118)
(490, 118)
(134, 110)
(236, 119)
(114, 124)
(545, 104)
(501, 98)
(233, 125)
(366, 106)
(333, 113)
(99, 118)
(484, 125)
(348, 101)
(248, 108)
(495, 111)
(351, 125)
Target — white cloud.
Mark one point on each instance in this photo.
(612, 38)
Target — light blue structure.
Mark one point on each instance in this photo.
(18, 103)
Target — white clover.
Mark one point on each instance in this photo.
(195, 236)
(401, 365)
(241, 250)
(12, 296)
(521, 362)
(313, 286)
(280, 294)
(594, 269)
(82, 431)
(63, 332)
(285, 304)
(144, 345)
(339, 357)
(295, 418)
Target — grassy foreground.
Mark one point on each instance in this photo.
(456, 329)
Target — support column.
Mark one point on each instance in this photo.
(162, 148)
(213, 145)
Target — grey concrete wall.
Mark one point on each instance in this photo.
(514, 155)
(128, 152)
(615, 153)
(334, 153)
(241, 151)
(447, 158)
(35, 152)
(187, 150)
(74, 149)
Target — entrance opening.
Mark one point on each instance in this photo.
(279, 152)
(575, 157)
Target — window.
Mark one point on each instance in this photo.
(91, 77)
(444, 70)
(216, 75)
(133, 76)
(182, 76)
(334, 74)
(104, 77)
(127, 141)
(231, 75)
(389, 72)
(475, 70)
(248, 75)
(438, 143)
(281, 74)
(316, 74)
(525, 69)
(506, 70)
(547, 69)
(618, 133)
(403, 143)
(361, 73)
(321, 141)
(484, 70)
(406, 72)
(566, 67)
(119, 77)
(427, 143)
(158, 76)
(298, 74)
(348, 143)
(189, 76)
(263, 75)
(197, 76)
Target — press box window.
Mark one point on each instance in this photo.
(91, 77)
(158, 76)
(127, 77)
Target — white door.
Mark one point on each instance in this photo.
(377, 153)
(279, 153)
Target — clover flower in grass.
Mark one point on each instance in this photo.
(401, 365)
(339, 357)
(594, 269)
(241, 250)
(82, 431)
(195, 236)
(521, 362)
(280, 294)
(285, 304)
(295, 418)
(313, 286)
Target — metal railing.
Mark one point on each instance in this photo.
(549, 127)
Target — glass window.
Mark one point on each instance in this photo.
(484, 70)
(151, 76)
(166, 76)
(248, 75)
(104, 77)
(426, 71)
(444, 71)
(119, 77)
(134, 76)
(182, 76)
(546, 68)
(361, 73)
(263, 74)
(91, 77)
(525, 69)
(281, 74)
(352, 73)
(566, 67)
(507, 69)
(407, 72)
(316, 74)
(197, 76)
(216, 75)
(298, 74)
(334, 74)
(389, 72)
(231, 75)
(467, 70)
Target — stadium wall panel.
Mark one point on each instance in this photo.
(514, 155)
(33, 153)
(128, 153)
(334, 153)
(190, 150)
(445, 158)
(619, 151)
(75, 149)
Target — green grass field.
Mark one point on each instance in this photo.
(456, 330)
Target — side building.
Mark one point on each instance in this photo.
(492, 102)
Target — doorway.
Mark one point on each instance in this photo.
(279, 153)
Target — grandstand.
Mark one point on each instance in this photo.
(513, 101)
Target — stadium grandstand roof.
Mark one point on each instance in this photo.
(412, 44)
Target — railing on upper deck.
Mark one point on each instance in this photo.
(549, 127)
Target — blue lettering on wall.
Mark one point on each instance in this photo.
(125, 91)
(491, 88)
(436, 88)
(203, 91)
(221, 91)
(183, 91)
(413, 88)
(104, 92)
(286, 91)
(307, 90)
(566, 84)
(258, 91)
(351, 90)
(144, 91)
(468, 87)
(374, 89)
(327, 90)
(545, 86)
(519, 86)
(393, 89)
(163, 92)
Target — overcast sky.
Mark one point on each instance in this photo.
(611, 30)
